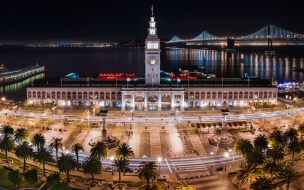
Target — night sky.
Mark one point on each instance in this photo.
(115, 21)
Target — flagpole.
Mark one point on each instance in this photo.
(116, 81)
(188, 79)
(222, 81)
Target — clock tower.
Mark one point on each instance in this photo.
(152, 55)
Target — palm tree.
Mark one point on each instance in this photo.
(7, 144)
(38, 141)
(92, 166)
(246, 175)
(100, 150)
(57, 144)
(277, 138)
(66, 164)
(271, 167)
(260, 142)
(7, 130)
(262, 182)
(294, 147)
(291, 134)
(184, 185)
(24, 151)
(120, 163)
(21, 134)
(301, 129)
(243, 146)
(276, 153)
(124, 151)
(147, 171)
(255, 157)
(43, 156)
(288, 174)
(76, 148)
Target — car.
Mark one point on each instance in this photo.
(128, 170)
(107, 169)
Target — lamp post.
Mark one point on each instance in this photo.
(224, 139)
(103, 114)
(3, 99)
(129, 121)
(226, 155)
(112, 159)
(230, 150)
(159, 160)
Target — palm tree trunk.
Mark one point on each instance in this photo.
(24, 164)
(292, 157)
(68, 177)
(241, 160)
(148, 184)
(6, 155)
(119, 178)
(43, 166)
(77, 160)
(287, 186)
(93, 180)
(124, 171)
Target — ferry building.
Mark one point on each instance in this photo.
(155, 92)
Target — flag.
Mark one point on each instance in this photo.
(178, 80)
(128, 79)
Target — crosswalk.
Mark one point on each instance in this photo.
(188, 165)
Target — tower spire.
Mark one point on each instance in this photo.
(152, 9)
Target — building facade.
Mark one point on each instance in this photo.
(153, 93)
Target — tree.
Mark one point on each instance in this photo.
(24, 151)
(244, 147)
(291, 134)
(184, 185)
(147, 171)
(43, 156)
(53, 182)
(31, 176)
(289, 175)
(21, 134)
(66, 164)
(38, 140)
(276, 153)
(255, 157)
(92, 166)
(57, 144)
(276, 138)
(7, 130)
(124, 151)
(262, 182)
(15, 177)
(100, 150)
(76, 148)
(295, 147)
(260, 142)
(120, 163)
(271, 167)
(246, 175)
(7, 144)
(301, 129)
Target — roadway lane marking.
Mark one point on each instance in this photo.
(168, 165)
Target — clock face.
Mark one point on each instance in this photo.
(152, 61)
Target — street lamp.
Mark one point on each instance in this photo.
(159, 160)
(230, 150)
(3, 99)
(226, 155)
(112, 159)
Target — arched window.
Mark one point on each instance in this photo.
(48, 94)
(108, 95)
(270, 94)
(261, 95)
(240, 95)
(58, 95)
(74, 95)
(208, 95)
(63, 95)
(90, 95)
(191, 96)
(235, 95)
(96, 95)
(197, 95)
(265, 94)
(256, 94)
(79, 95)
(230, 95)
(43, 94)
(224, 95)
(166, 98)
(85, 95)
(186, 95)
(251, 95)
(246, 95)
(213, 95)
(53, 95)
(69, 95)
(119, 95)
(39, 94)
(219, 95)
(113, 96)
(102, 95)
(34, 95)
(274, 94)
(29, 94)
(203, 95)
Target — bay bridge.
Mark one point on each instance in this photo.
(268, 35)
